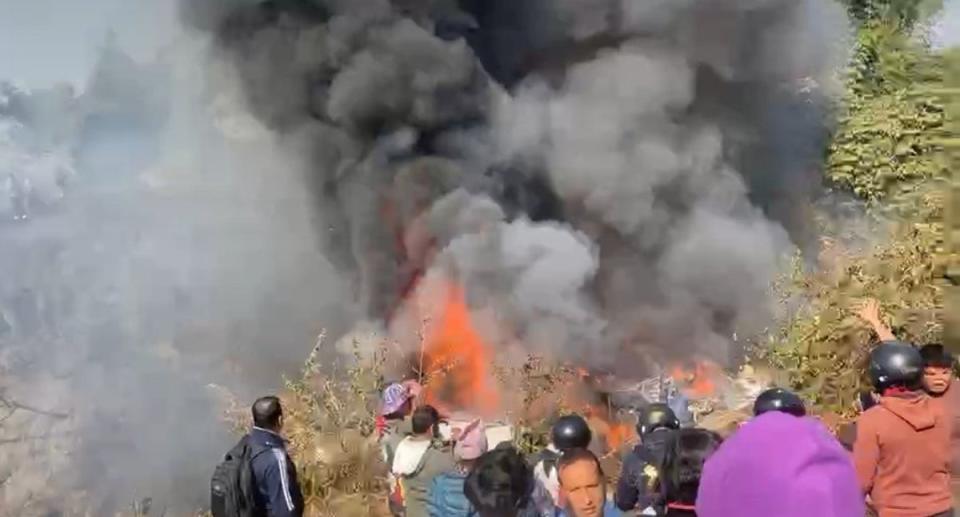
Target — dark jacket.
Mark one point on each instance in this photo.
(639, 485)
(278, 492)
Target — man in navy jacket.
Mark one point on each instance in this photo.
(639, 485)
(278, 492)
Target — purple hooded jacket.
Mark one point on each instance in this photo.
(780, 465)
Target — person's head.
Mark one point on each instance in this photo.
(895, 366)
(424, 421)
(570, 432)
(937, 368)
(582, 482)
(777, 464)
(779, 399)
(500, 483)
(655, 417)
(683, 463)
(397, 402)
(267, 413)
(471, 444)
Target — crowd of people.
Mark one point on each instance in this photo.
(897, 460)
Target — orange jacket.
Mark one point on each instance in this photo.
(949, 403)
(902, 456)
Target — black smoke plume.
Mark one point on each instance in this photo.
(610, 175)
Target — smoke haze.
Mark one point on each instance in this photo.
(609, 179)
(603, 174)
(154, 239)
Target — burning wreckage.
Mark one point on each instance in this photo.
(503, 179)
(718, 402)
(465, 378)
(587, 173)
(704, 396)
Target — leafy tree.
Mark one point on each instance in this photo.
(902, 14)
(888, 151)
(952, 143)
(886, 143)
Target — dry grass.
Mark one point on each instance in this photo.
(329, 418)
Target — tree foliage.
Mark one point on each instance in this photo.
(888, 152)
(886, 144)
(901, 14)
(822, 345)
(952, 144)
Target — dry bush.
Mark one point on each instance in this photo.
(329, 420)
(822, 345)
(542, 389)
(329, 417)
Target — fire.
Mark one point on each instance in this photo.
(698, 381)
(614, 433)
(619, 434)
(456, 361)
(585, 394)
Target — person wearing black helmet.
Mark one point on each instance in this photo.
(639, 482)
(571, 432)
(902, 449)
(779, 399)
(568, 432)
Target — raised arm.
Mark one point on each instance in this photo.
(869, 312)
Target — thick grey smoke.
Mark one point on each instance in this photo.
(608, 179)
(154, 239)
(609, 176)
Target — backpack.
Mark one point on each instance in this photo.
(232, 486)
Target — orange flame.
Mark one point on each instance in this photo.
(456, 361)
(614, 433)
(698, 381)
(618, 435)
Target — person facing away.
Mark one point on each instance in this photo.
(393, 423)
(780, 465)
(639, 484)
(396, 405)
(683, 462)
(779, 399)
(447, 497)
(501, 484)
(939, 382)
(392, 426)
(418, 459)
(568, 432)
(902, 448)
(274, 474)
(583, 486)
